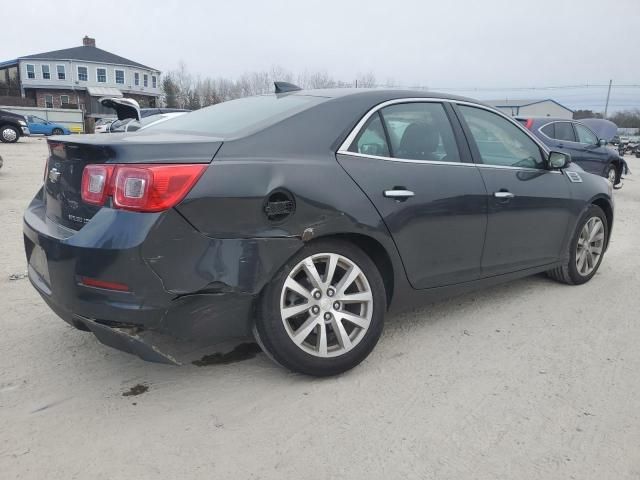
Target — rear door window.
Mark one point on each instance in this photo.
(420, 131)
(549, 130)
(564, 131)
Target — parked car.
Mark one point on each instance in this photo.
(102, 125)
(12, 127)
(40, 126)
(579, 141)
(132, 125)
(300, 218)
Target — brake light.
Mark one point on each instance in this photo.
(95, 183)
(529, 123)
(141, 188)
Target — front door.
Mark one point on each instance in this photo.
(529, 205)
(37, 125)
(417, 173)
(591, 156)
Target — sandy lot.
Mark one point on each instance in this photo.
(529, 380)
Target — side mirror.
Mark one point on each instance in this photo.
(602, 142)
(559, 160)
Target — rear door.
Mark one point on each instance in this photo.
(412, 163)
(529, 205)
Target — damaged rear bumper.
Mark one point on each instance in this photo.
(181, 283)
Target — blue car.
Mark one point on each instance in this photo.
(586, 149)
(40, 126)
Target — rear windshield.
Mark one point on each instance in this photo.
(238, 117)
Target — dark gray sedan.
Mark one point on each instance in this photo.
(300, 218)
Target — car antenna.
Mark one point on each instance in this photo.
(284, 87)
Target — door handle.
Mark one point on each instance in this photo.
(399, 194)
(504, 195)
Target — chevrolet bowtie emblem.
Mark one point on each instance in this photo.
(54, 175)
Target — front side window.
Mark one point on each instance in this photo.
(499, 141)
(101, 74)
(585, 135)
(64, 99)
(61, 73)
(120, 77)
(154, 81)
(48, 101)
(136, 78)
(46, 72)
(145, 77)
(31, 71)
(371, 140)
(83, 74)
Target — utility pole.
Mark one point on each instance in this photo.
(606, 105)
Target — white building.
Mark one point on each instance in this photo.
(77, 77)
(532, 108)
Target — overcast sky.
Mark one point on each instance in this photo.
(433, 43)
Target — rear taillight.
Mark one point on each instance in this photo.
(141, 188)
(529, 123)
(95, 183)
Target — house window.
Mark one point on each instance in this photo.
(154, 81)
(64, 99)
(101, 73)
(46, 73)
(83, 74)
(31, 71)
(120, 76)
(61, 73)
(48, 101)
(145, 79)
(136, 79)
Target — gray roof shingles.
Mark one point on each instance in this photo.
(85, 54)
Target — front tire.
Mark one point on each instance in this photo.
(612, 174)
(585, 250)
(57, 131)
(9, 134)
(323, 313)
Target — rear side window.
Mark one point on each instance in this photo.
(372, 140)
(549, 130)
(564, 131)
(238, 117)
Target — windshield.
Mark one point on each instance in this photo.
(240, 116)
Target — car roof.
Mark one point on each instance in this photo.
(376, 94)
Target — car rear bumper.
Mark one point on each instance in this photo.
(180, 283)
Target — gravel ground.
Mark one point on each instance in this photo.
(532, 379)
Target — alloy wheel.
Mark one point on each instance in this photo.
(611, 176)
(9, 134)
(326, 305)
(590, 246)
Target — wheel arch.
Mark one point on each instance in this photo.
(377, 253)
(607, 208)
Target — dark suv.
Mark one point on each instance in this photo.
(578, 140)
(12, 127)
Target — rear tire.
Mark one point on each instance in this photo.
(586, 249)
(323, 313)
(9, 134)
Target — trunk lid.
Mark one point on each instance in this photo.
(68, 157)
